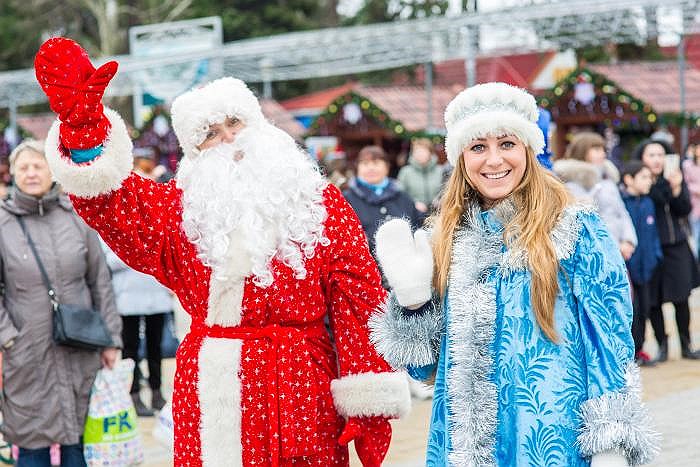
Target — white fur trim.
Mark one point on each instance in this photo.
(193, 111)
(576, 171)
(494, 123)
(372, 394)
(225, 302)
(491, 109)
(219, 388)
(100, 176)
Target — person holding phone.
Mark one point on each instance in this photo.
(678, 273)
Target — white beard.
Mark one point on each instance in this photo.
(243, 212)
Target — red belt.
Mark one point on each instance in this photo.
(291, 349)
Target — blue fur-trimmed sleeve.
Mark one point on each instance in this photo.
(613, 417)
(408, 338)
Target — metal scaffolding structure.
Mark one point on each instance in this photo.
(339, 51)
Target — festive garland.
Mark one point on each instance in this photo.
(644, 114)
(372, 111)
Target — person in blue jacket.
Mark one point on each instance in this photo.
(544, 119)
(637, 179)
(517, 301)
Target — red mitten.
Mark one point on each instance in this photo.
(75, 90)
(372, 436)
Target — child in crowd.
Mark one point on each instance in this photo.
(637, 179)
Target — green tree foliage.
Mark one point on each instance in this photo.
(14, 52)
(23, 25)
(253, 18)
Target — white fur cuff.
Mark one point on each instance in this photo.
(372, 394)
(100, 176)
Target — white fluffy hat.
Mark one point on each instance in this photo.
(491, 109)
(193, 111)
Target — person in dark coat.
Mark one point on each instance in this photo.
(647, 255)
(377, 198)
(678, 273)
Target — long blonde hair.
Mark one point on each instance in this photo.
(539, 199)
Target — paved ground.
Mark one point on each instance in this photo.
(671, 390)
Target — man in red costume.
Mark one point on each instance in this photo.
(262, 253)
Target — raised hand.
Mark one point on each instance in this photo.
(75, 89)
(406, 260)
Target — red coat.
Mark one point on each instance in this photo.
(279, 384)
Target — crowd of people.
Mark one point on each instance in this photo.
(538, 272)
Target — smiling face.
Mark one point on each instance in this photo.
(495, 166)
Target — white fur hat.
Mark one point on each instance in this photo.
(193, 111)
(491, 109)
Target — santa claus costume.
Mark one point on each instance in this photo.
(267, 258)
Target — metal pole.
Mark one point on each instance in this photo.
(266, 72)
(681, 73)
(429, 94)
(13, 122)
(470, 57)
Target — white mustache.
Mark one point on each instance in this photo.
(227, 150)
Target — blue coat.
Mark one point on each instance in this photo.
(647, 255)
(504, 393)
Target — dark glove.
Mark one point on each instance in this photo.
(372, 436)
(75, 89)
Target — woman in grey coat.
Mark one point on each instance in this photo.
(47, 386)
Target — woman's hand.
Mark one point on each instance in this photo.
(422, 207)
(627, 249)
(109, 357)
(675, 179)
(407, 262)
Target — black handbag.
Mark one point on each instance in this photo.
(73, 326)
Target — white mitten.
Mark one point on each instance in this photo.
(609, 459)
(407, 261)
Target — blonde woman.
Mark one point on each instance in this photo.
(518, 303)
